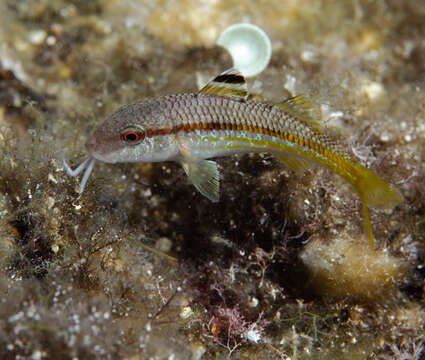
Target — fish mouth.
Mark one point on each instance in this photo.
(90, 146)
(110, 159)
(101, 151)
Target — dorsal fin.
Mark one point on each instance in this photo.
(299, 107)
(230, 83)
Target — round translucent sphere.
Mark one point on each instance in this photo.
(249, 46)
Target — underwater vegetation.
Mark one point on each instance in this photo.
(141, 265)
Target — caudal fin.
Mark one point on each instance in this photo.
(375, 192)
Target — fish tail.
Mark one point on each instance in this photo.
(375, 192)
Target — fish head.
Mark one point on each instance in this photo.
(125, 135)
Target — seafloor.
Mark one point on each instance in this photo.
(143, 266)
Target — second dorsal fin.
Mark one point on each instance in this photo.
(299, 107)
(230, 83)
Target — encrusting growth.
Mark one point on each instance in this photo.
(220, 121)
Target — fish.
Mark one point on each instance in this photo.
(221, 120)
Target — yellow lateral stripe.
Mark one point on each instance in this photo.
(256, 129)
(337, 164)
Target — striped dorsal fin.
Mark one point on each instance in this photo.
(299, 107)
(230, 83)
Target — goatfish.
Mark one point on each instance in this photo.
(220, 120)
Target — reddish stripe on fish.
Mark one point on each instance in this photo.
(188, 128)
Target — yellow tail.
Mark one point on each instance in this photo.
(375, 192)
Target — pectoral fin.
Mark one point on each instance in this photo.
(205, 176)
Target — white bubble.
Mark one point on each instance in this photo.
(249, 46)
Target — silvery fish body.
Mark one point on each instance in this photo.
(205, 125)
(219, 121)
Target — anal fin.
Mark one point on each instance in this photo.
(295, 163)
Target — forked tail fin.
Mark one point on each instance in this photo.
(375, 192)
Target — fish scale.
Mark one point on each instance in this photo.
(220, 121)
(254, 118)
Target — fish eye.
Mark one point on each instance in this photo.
(132, 135)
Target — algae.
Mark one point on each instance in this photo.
(280, 267)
